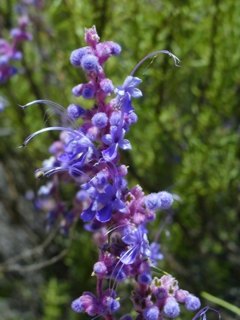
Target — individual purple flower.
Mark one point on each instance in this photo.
(129, 88)
(114, 139)
(138, 245)
(86, 303)
(87, 156)
(127, 91)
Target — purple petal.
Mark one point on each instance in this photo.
(65, 157)
(125, 144)
(115, 118)
(131, 82)
(130, 237)
(85, 142)
(129, 256)
(126, 103)
(87, 215)
(116, 132)
(107, 139)
(110, 153)
(119, 205)
(104, 214)
(135, 93)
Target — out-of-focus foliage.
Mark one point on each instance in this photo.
(186, 141)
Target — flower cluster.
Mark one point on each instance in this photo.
(88, 156)
(10, 51)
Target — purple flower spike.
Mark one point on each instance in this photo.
(87, 156)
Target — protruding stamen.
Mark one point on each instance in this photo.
(155, 53)
(31, 136)
(57, 108)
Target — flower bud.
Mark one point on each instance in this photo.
(89, 62)
(100, 120)
(74, 111)
(151, 313)
(171, 308)
(192, 303)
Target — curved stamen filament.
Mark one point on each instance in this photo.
(33, 135)
(57, 108)
(152, 54)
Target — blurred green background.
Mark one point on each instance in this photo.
(186, 141)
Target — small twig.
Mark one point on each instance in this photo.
(35, 266)
(30, 252)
